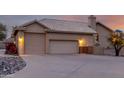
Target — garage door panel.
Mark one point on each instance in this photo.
(63, 47)
(34, 43)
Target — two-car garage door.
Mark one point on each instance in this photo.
(63, 47)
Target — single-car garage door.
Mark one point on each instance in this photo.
(63, 47)
(34, 43)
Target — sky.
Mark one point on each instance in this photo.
(112, 21)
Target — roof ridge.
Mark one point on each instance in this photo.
(62, 20)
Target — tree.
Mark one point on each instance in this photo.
(117, 40)
(2, 31)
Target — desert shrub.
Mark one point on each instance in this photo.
(11, 49)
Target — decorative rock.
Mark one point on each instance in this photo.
(10, 65)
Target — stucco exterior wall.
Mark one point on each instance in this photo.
(20, 44)
(104, 34)
(35, 28)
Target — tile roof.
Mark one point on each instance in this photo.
(67, 26)
(54, 25)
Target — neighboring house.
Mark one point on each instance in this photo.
(51, 36)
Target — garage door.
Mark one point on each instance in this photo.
(63, 47)
(34, 43)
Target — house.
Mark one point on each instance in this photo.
(51, 36)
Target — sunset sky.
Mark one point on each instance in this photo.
(112, 21)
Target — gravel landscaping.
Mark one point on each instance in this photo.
(10, 65)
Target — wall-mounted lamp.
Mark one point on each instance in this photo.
(82, 42)
(20, 39)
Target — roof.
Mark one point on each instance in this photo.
(16, 29)
(105, 26)
(31, 22)
(67, 26)
(54, 25)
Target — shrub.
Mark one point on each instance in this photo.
(11, 49)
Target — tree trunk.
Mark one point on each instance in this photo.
(117, 52)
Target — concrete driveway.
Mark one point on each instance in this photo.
(71, 66)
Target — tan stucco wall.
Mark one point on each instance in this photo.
(35, 28)
(20, 45)
(104, 34)
(60, 36)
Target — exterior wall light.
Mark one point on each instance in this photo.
(21, 44)
(20, 39)
(82, 42)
